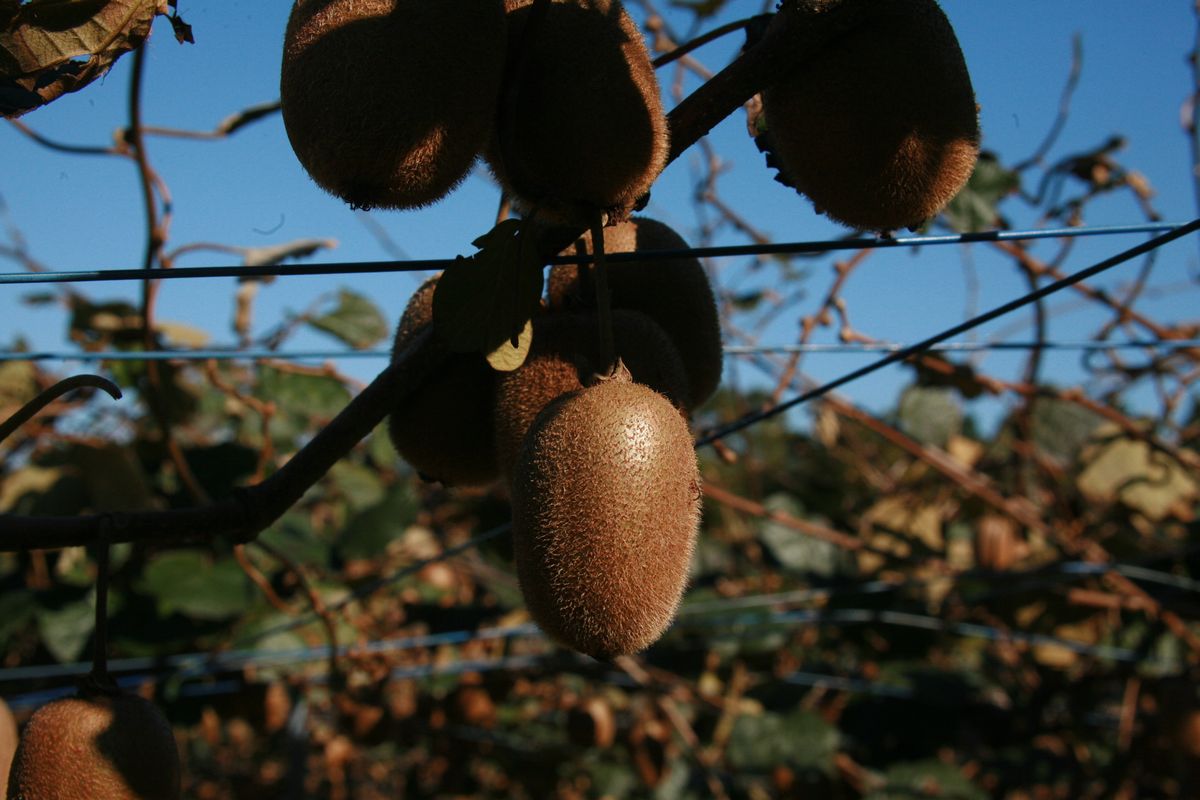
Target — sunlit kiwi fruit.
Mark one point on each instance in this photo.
(606, 505)
(565, 356)
(8, 741)
(388, 102)
(580, 126)
(444, 427)
(879, 128)
(115, 747)
(674, 292)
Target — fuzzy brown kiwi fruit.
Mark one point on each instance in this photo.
(564, 356)
(387, 102)
(115, 747)
(606, 505)
(674, 293)
(444, 427)
(880, 128)
(580, 126)
(8, 741)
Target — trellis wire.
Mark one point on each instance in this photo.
(422, 265)
(923, 345)
(729, 350)
(189, 664)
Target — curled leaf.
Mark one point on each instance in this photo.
(484, 303)
(49, 48)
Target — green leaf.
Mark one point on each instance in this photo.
(801, 739)
(65, 631)
(356, 321)
(930, 778)
(369, 533)
(16, 610)
(794, 550)
(294, 535)
(1061, 428)
(51, 47)
(191, 583)
(485, 301)
(931, 415)
(358, 484)
(976, 206)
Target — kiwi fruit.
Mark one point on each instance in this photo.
(115, 747)
(675, 293)
(387, 103)
(880, 128)
(8, 741)
(444, 428)
(606, 506)
(564, 356)
(580, 126)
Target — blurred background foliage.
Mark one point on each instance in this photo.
(897, 605)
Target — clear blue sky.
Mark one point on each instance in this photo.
(79, 212)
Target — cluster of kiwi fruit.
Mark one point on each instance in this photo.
(594, 448)
(99, 744)
(387, 103)
(879, 128)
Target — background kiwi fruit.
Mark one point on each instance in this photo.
(880, 128)
(606, 505)
(580, 124)
(8, 741)
(674, 293)
(388, 102)
(444, 428)
(115, 747)
(563, 358)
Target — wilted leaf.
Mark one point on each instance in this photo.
(178, 334)
(270, 256)
(18, 384)
(484, 301)
(1131, 471)
(356, 321)
(51, 47)
(192, 583)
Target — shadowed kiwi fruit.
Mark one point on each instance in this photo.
(115, 747)
(564, 356)
(444, 428)
(880, 128)
(674, 293)
(580, 125)
(8, 741)
(606, 504)
(388, 102)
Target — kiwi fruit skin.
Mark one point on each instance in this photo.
(387, 103)
(115, 747)
(580, 126)
(675, 293)
(564, 357)
(8, 741)
(606, 506)
(880, 129)
(444, 428)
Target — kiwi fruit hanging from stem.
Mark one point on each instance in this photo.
(606, 506)
(114, 746)
(879, 128)
(674, 292)
(387, 103)
(565, 356)
(444, 428)
(580, 126)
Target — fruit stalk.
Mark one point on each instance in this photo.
(608, 351)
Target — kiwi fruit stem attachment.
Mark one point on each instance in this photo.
(98, 680)
(608, 353)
